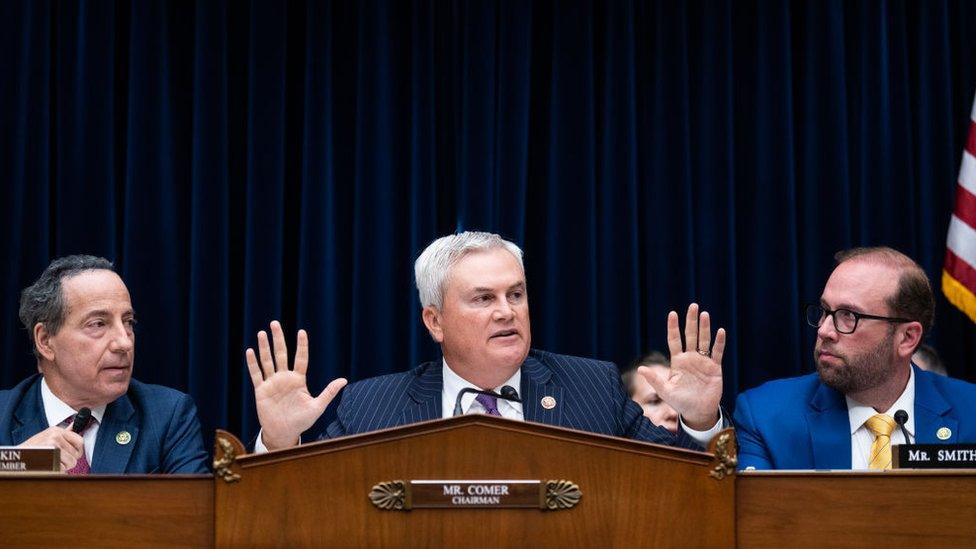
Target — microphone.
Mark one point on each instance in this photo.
(901, 418)
(81, 420)
(508, 393)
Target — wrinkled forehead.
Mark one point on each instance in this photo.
(495, 268)
(862, 285)
(98, 289)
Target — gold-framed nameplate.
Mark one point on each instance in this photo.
(550, 495)
(30, 460)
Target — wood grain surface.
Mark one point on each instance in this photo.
(106, 511)
(846, 509)
(634, 494)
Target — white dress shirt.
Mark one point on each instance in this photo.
(702, 437)
(862, 438)
(57, 411)
(453, 384)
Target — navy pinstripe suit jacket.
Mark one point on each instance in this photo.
(588, 394)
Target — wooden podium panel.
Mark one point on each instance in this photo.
(51, 510)
(901, 508)
(634, 494)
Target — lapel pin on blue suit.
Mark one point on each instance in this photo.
(548, 402)
(944, 433)
(123, 437)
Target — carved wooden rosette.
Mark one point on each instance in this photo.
(389, 496)
(561, 494)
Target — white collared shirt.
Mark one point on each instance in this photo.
(453, 384)
(862, 438)
(56, 411)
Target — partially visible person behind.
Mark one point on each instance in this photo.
(80, 321)
(644, 394)
(927, 358)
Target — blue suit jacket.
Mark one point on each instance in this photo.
(588, 393)
(800, 423)
(163, 424)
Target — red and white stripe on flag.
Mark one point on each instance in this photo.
(959, 271)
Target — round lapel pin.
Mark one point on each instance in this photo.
(548, 402)
(123, 437)
(943, 433)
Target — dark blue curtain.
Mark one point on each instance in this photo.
(242, 162)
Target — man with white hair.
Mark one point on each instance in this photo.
(475, 305)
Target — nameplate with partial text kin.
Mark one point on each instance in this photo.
(30, 460)
(400, 495)
(934, 456)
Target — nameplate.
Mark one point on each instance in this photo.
(399, 495)
(934, 456)
(30, 460)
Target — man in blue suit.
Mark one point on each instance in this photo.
(80, 319)
(475, 305)
(874, 311)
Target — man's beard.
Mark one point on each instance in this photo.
(858, 373)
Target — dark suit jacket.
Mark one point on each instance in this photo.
(588, 393)
(800, 423)
(163, 424)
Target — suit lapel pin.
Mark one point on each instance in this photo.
(123, 437)
(548, 402)
(943, 433)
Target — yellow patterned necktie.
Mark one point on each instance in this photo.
(881, 425)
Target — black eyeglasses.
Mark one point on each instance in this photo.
(845, 320)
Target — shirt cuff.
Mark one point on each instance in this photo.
(260, 448)
(701, 437)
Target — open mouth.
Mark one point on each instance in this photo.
(504, 333)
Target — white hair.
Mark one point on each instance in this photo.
(434, 263)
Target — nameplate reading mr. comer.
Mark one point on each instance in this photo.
(465, 494)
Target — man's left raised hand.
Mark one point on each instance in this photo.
(693, 384)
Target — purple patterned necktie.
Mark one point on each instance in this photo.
(81, 467)
(490, 403)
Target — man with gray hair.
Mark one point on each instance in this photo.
(83, 400)
(475, 305)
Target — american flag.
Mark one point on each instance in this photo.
(959, 271)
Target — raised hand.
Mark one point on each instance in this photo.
(693, 384)
(285, 407)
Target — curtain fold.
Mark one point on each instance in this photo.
(249, 161)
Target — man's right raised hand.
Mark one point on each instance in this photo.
(285, 407)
